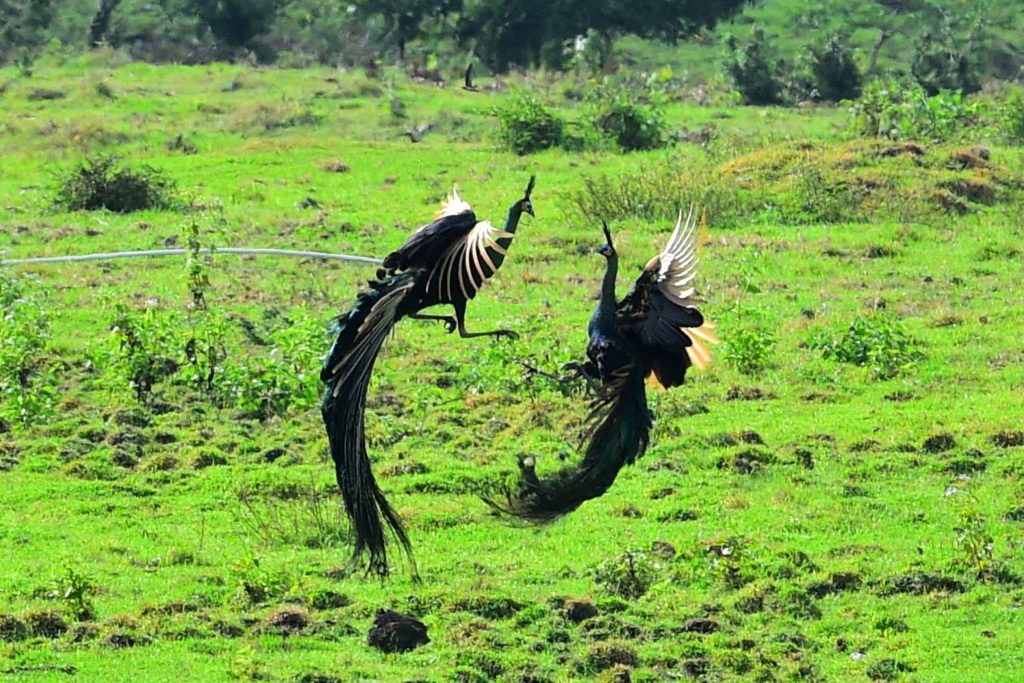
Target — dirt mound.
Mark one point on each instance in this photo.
(396, 632)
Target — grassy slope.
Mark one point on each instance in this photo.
(171, 550)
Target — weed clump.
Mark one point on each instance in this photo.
(887, 670)
(1013, 117)
(28, 376)
(528, 126)
(632, 123)
(877, 342)
(906, 112)
(99, 183)
(750, 350)
(628, 576)
(607, 654)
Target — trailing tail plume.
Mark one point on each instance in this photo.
(443, 262)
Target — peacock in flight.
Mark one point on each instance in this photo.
(655, 329)
(443, 262)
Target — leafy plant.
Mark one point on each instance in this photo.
(528, 126)
(28, 377)
(971, 536)
(1013, 116)
(633, 123)
(877, 342)
(145, 347)
(206, 347)
(755, 70)
(900, 112)
(256, 583)
(269, 385)
(750, 350)
(628, 576)
(76, 589)
(99, 183)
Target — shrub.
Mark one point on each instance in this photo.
(628, 576)
(98, 183)
(900, 112)
(270, 385)
(632, 123)
(749, 350)
(878, 342)
(528, 126)
(145, 347)
(1013, 117)
(77, 589)
(28, 377)
(755, 70)
(833, 71)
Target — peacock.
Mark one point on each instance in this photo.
(443, 262)
(655, 329)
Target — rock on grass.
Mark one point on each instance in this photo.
(396, 632)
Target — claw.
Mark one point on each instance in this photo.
(508, 334)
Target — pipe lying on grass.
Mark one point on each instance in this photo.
(179, 251)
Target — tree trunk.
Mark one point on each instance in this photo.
(101, 21)
(876, 48)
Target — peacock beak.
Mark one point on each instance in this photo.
(528, 207)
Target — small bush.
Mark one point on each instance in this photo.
(632, 123)
(905, 112)
(528, 126)
(833, 71)
(98, 183)
(76, 589)
(270, 385)
(28, 374)
(749, 350)
(145, 347)
(878, 342)
(627, 576)
(755, 70)
(1013, 117)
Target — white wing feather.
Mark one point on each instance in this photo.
(678, 267)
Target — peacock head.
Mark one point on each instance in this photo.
(525, 205)
(607, 250)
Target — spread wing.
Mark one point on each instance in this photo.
(428, 244)
(660, 311)
(467, 263)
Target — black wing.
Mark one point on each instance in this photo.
(427, 245)
(660, 312)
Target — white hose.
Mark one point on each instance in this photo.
(180, 251)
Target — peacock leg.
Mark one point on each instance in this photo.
(449, 321)
(460, 316)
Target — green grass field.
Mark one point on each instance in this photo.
(809, 519)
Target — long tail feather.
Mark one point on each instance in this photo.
(346, 371)
(619, 434)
